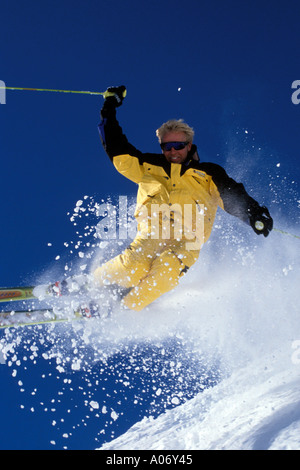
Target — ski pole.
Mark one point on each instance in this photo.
(259, 225)
(105, 94)
(286, 233)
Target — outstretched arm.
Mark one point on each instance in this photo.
(237, 202)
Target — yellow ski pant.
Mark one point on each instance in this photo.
(149, 267)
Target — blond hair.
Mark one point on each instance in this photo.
(175, 125)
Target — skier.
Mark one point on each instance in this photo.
(177, 200)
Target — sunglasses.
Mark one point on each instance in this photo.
(167, 146)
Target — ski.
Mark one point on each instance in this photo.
(41, 316)
(59, 288)
(16, 293)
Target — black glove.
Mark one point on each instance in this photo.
(115, 95)
(261, 221)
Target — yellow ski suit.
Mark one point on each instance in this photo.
(176, 208)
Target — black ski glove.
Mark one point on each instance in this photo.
(261, 221)
(114, 95)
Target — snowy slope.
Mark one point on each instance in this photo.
(243, 309)
(236, 414)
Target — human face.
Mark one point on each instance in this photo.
(176, 156)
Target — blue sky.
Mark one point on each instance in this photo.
(225, 67)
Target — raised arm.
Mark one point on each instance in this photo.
(111, 134)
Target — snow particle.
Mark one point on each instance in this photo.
(114, 415)
(175, 401)
(94, 405)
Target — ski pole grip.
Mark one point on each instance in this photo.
(107, 94)
(259, 225)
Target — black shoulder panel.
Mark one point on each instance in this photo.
(236, 200)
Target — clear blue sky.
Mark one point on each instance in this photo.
(225, 67)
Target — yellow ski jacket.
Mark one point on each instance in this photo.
(168, 188)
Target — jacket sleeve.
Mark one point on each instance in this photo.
(236, 201)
